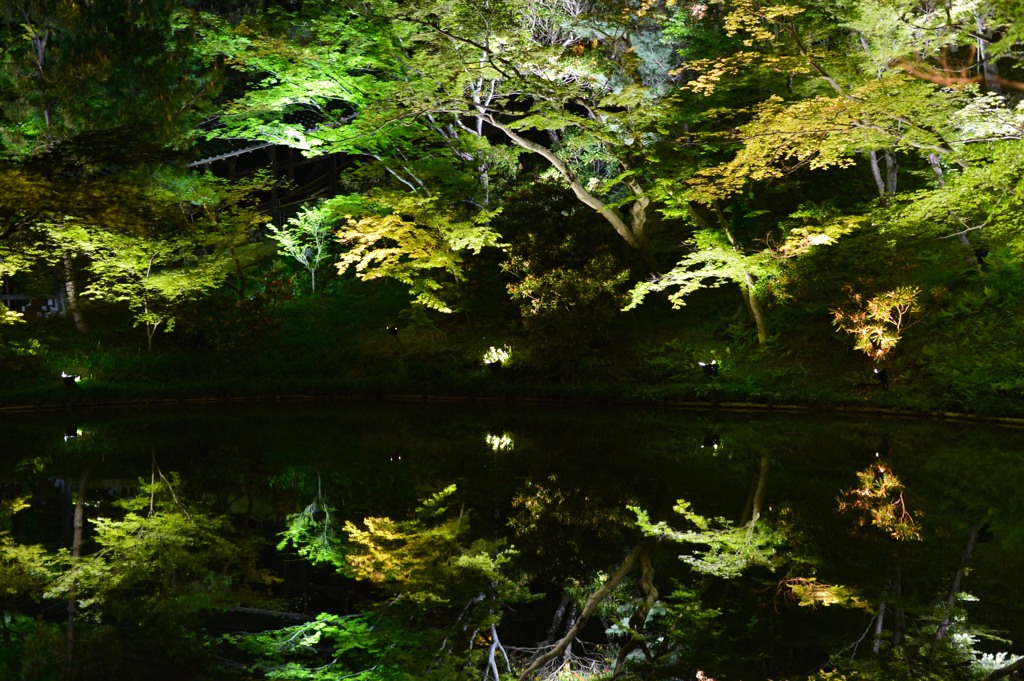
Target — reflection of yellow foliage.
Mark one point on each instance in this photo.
(880, 499)
(377, 563)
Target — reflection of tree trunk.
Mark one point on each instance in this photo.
(755, 499)
(755, 508)
(76, 553)
(39, 40)
(588, 609)
(71, 288)
(899, 620)
(954, 589)
(636, 622)
(876, 646)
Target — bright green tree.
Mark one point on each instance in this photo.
(305, 238)
(442, 99)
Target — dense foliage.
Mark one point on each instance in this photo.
(543, 165)
(542, 179)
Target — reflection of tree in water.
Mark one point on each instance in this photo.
(564, 506)
(909, 638)
(879, 500)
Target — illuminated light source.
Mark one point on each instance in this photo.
(709, 368)
(495, 357)
(882, 376)
(711, 441)
(70, 379)
(392, 331)
(500, 443)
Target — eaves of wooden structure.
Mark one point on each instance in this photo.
(297, 179)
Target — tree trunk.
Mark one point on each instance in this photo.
(560, 623)
(758, 501)
(240, 271)
(76, 554)
(756, 310)
(886, 184)
(71, 289)
(150, 333)
(492, 662)
(989, 70)
(748, 284)
(961, 235)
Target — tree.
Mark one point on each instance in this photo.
(169, 239)
(834, 91)
(304, 238)
(412, 239)
(421, 87)
(155, 276)
(63, 94)
(878, 323)
(715, 258)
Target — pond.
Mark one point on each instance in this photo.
(805, 544)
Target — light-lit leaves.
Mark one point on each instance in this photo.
(810, 592)
(416, 240)
(879, 501)
(433, 559)
(877, 323)
(727, 550)
(711, 262)
(304, 238)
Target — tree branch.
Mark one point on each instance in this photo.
(577, 188)
(588, 609)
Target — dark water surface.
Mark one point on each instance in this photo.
(263, 462)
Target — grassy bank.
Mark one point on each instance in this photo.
(336, 345)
